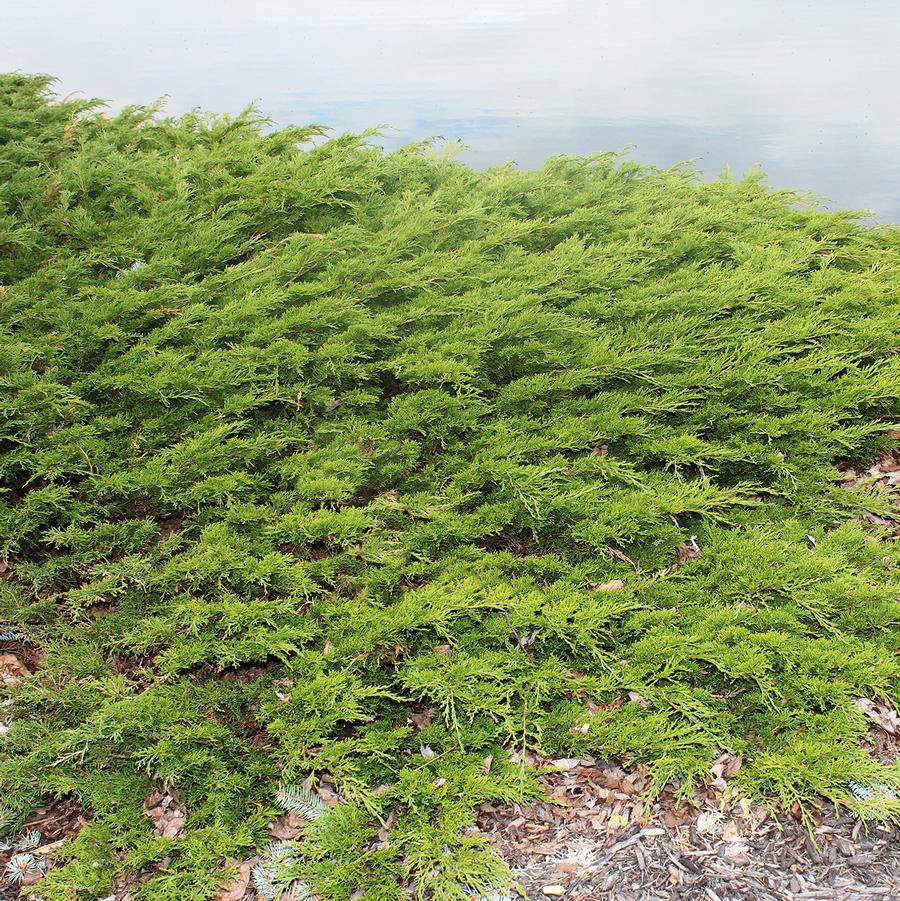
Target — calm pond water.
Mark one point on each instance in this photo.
(807, 90)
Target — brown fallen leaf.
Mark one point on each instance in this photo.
(12, 669)
(881, 713)
(166, 812)
(32, 878)
(724, 768)
(422, 718)
(889, 463)
(235, 888)
(286, 827)
(565, 763)
(594, 708)
(330, 797)
(690, 550)
(611, 585)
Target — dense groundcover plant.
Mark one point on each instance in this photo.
(314, 458)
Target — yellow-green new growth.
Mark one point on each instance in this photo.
(313, 456)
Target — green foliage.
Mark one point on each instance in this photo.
(320, 461)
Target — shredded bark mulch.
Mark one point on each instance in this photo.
(595, 837)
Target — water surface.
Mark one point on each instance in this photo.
(807, 90)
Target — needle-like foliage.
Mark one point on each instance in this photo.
(323, 463)
(300, 802)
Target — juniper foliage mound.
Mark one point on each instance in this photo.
(319, 460)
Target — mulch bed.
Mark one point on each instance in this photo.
(595, 838)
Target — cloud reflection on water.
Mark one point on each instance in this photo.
(805, 89)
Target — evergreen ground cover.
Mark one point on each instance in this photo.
(324, 463)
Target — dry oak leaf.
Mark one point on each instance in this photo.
(881, 713)
(164, 809)
(235, 888)
(12, 669)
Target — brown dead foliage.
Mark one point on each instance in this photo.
(882, 740)
(12, 669)
(690, 550)
(882, 714)
(19, 658)
(611, 585)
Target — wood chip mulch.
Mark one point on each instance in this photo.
(595, 837)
